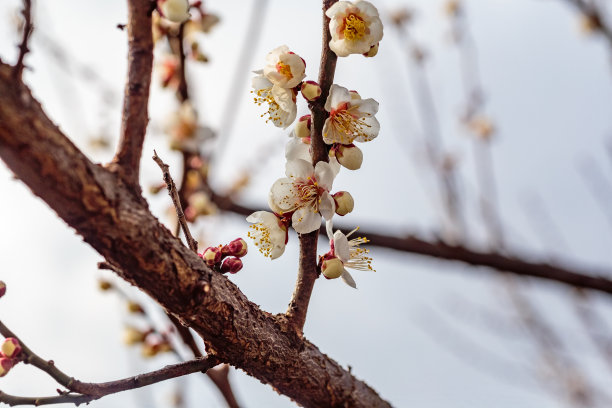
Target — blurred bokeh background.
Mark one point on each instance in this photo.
(507, 103)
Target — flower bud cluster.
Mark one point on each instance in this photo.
(226, 258)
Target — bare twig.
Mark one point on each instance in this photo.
(27, 31)
(307, 272)
(192, 243)
(135, 111)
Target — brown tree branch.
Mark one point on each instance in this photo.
(136, 98)
(119, 225)
(193, 244)
(27, 31)
(307, 272)
(80, 392)
(514, 263)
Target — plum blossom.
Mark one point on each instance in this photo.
(348, 252)
(284, 68)
(282, 108)
(269, 231)
(305, 193)
(350, 117)
(355, 27)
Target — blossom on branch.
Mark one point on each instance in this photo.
(282, 108)
(269, 231)
(348, 253)
(305, 193)
(355, 27)
(350, 117)
(284, 68)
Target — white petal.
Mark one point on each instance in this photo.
(273, 56)
(305, 220)
(277, 250)
(327, 207)
(337, 95)
(296, 149)
(257, 216)
(299, 169)
(324, 174)
(341, 246)
(329, 227)
(348, 279)
(337, 8)
(366, 107)
(371, 131)
(282, 197)
(335, 165)
(260, 82)
(297, 66)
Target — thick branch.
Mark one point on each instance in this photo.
(120, 227)
(506, 262)
(136, 98)
(307, 272)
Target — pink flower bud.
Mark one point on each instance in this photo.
(344, 202)
(211, 255)
(349, 156)
(302, 127)
(332, 268)
(237, 247)
(11, 347)
(231, 265)
(2, 288)
(311, 90)
(373, 51)
(5, 366)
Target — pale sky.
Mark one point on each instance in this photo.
(422, 332)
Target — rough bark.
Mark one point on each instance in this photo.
(116, 221)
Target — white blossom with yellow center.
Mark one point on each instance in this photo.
(284, 68)
(350, 117)
(282, 108)
(354, 27)
(305, 193)
(349, 252)
(268, 233)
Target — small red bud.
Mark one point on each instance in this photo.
(237, 247)
(211, 255)
(5, 366)
(11, 347)
(2, 288)
(231, 265)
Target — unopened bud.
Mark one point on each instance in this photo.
(104, 285)
(237, 247)
(231, 265)
(211, 255)
(132, 336)
(174, 10)
(11, 347)
(344, 202)
(2, 288)
(302, 127)
(134, 307)
(349, 156)
(373, 51)
(311, 90)
(332, 268)
(149, 350)
(5, 366)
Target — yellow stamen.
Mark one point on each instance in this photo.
(284, 70)
(354, 27)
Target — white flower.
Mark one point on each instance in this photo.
(284, 68)
(269, 233)
(185, 133)
(174, 10)
(350, 117)
(305, 193)
(299, 148)
(349, 252)
(354, 27)
(281, 101)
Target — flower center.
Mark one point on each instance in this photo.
(348, 124)
(284, 70)
(358, 256)
(260, 234)
(274, 111)
(354, 27)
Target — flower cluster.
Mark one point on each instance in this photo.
(303, 198)
(226, 258)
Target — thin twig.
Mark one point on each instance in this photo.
(27, 31)
(192, 243)
(307, 272)
(135, 111)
